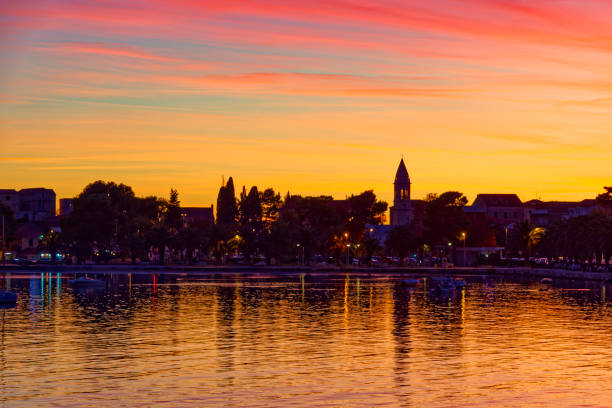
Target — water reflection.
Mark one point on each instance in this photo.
(307, 339)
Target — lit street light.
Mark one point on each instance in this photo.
(298, 254)
(348, 247)
(464, 260)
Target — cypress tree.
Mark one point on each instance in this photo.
(253, 212)
(227, 210)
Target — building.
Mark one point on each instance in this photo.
(65, 206)
(404, 211)
(36, 204)
(503, 209)
(545, 213)
(193, 215)
(10, 198)
(401, 211)
(30, 204)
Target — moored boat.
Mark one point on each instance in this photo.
(460, 283)
(443, 286)
(85, 281)
(410, 282)
(7, 297)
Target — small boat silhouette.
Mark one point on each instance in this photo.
(7, 297)
(85, 281)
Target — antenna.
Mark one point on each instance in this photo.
(222, 180)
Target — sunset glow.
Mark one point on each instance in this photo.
(315, 97)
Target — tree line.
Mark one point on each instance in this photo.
(108, 221)
(581, 239)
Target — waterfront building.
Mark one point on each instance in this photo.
(65, 206)
(10, 199)
(545, 213)
(29, 236)
(503, 209)
(401, 211)
(30, 204)
(197, 214)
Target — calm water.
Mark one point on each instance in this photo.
(255, 340)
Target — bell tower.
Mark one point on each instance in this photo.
(401, 212)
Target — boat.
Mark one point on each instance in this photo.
(7, 297)
(410, 282)
(444, 286)
(85, 281)
(460, 283)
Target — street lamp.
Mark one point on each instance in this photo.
(463, 235)
(298, 254)
(348, 247)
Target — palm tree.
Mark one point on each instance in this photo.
(524, 238)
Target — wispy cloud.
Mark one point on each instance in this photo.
(287, 80)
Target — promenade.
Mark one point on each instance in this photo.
(317, 269)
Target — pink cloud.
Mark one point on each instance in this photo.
(103, 49)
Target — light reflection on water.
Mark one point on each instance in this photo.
(254, 340)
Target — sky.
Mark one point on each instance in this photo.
(312, 97)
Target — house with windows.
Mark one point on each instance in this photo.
(503, 209)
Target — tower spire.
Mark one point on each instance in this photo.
(401, 212)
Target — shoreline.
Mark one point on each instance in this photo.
(295, 269)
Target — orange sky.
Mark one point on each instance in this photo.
(319, 97)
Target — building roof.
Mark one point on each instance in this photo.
(202, 213)
(342, 205)
(471, 209)
(36, 190)
(401, 176)
(29, 230)
(499, 200)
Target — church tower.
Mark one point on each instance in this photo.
(401, 212)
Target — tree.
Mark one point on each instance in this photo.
(444, 217)
(159, 237)
(250, 221)
(10, 225)
(98, 212)
(481, 233)
(218, 239)
(605, 199)
(227, 210)
(271, 204)
(250, 208)
(317, 224)
(52, 242)
(138, 228)
(580, 238)
(189, 239)
(172, 212)
(364, 209)
(370, 246)
(524, 237)
(401, 241)
(103, 217)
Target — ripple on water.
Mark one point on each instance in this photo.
(280, 341)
